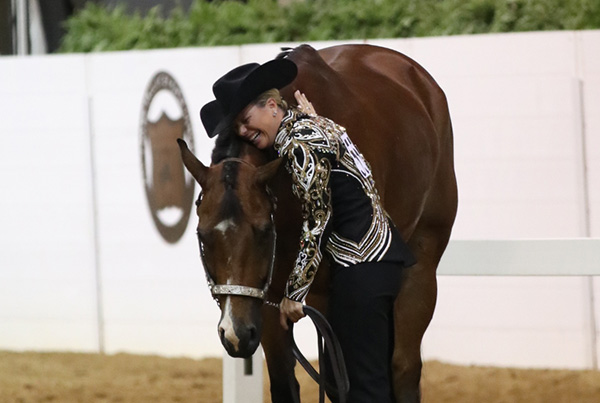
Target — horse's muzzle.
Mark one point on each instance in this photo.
(243, 343)
(240, 327)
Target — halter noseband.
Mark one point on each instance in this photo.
(241, 290)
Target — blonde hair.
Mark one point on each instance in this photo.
(272, 93)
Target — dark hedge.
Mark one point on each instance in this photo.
(231, 22)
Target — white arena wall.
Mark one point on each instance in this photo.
(83, 268)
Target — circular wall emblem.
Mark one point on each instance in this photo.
(169, 187)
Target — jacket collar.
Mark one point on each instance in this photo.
(285, 128)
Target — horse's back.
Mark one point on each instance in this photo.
(418, 113)
(396, 114)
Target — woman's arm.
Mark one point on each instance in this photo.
(310, 153)
(310, 172)
(310, 176)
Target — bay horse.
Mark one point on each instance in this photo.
(398, 117)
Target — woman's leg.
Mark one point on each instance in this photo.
(361, 314)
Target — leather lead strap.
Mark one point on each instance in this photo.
(334, 352)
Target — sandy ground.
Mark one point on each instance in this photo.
(83, 378)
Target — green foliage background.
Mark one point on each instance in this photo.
(231, 22)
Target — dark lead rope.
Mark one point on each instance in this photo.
(334, 353)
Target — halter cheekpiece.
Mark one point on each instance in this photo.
(241, 290)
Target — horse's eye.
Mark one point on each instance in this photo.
(263, 231)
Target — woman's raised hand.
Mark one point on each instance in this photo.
(304, 105)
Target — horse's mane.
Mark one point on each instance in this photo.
(284, 53)
(227, 145)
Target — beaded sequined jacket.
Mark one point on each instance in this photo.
(341, 209)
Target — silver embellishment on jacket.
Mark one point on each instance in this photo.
(311, 146)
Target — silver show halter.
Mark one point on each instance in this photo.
(242, 290)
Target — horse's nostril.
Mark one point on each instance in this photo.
(221, 333)
(252, 331)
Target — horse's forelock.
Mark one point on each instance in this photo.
(230, 205)
(227, 145)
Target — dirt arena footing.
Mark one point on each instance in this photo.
(73, 377)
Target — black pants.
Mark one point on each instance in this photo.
(361, 315)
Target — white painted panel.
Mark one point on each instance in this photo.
(594, 313)
(591, 101)
(508, 348)
(47, 258)
(37, 75)
(509, 97)
(175, 339)
(148, 283)
(519, 201)
(505, 154)
(148, 299)
(171, 316)
(526, 295)
(54, 300)
(530, 322)
(532, 53)
(48, 335)
(500, 220)
(590, 52)
(540, 138)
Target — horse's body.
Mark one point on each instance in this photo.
(398, 117)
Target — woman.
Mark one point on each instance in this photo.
(343, 217)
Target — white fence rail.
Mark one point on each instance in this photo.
(524, 257)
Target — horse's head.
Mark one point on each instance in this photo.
(237, 243)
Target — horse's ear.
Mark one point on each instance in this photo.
(267, 171)
(193, 164)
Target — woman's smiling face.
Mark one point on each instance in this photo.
(259, 124)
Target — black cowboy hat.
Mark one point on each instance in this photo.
(236, 89)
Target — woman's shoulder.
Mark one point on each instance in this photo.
(314, 128)
(309, 133)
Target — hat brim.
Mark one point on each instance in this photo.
(273, 74)
(211, 115)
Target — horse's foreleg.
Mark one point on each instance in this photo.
(413, 311)
(280, 360)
